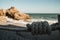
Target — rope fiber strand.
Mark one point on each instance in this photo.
(39, 28)
(36, 28)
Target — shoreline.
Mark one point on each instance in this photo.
(23, 23)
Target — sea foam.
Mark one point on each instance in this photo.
(32, 20)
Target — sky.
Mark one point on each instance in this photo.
(32, 6)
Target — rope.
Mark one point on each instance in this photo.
(39, 28)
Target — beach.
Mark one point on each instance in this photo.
(13, 35)
(29, 19)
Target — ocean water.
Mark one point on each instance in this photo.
(37, 17)
(51, 18)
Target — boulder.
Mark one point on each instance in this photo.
(3, 19)
(25, 17)
(14, 14)
(2, 12)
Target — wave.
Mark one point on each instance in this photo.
(49, 21)
(9, 20)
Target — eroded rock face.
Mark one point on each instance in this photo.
(3, 19)
(14, 14)
(2, 12)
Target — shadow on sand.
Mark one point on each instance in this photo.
(13, 35)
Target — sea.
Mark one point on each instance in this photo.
(38, 17)
(49, 17)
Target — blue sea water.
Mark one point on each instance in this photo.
(43, 16)
(51, 18)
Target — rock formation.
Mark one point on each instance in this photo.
(2, 12)
(2, 16)
(14, 14)
(3, 19)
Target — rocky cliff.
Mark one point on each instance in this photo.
(14, 14)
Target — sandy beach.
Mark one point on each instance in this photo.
(12, 35)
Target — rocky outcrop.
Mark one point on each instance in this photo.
(2, 12)
(2, 16)
(3, 19)
(14, 14)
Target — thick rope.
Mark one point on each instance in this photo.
(39, 28)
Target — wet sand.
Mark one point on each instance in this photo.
(10, 35)
(13, 35)
(16, 24)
